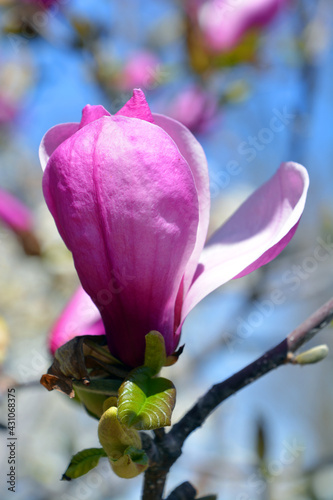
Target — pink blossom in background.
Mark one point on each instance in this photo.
(195, 108)
(46, 4)
(14, 213)
(223, 22)
(141, 70)
(130, 196)
(8, 111)
(19, 219)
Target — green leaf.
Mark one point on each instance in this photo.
(144, 402)
(114, 436)
(83, 462)
(155, 354)
(137, 456)
(132, 463)
(108, 387)
(92, 396)
(261, 444)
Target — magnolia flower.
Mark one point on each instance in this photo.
(130, 197)
(141, 70)
(8, 111)
(195, 108)
(223, 23)
(19, 219)
(14, 213)
(46, 4)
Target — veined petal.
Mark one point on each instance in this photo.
(58, 134)
(53, 138)
(257, 232)
(80, 317)
(126, 205)
(193, 153)
(137, 107)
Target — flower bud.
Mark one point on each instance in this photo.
(313, 355)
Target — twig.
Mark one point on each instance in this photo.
(7, 382)
(170, 447)
(184, 491)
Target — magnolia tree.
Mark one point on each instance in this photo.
(129, 193)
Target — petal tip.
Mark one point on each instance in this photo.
(90, 113)
(137, 107)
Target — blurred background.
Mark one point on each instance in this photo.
(253, 82)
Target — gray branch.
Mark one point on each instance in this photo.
(168, 447)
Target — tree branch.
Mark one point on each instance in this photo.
(170, 445)
(273, 358)
(185, 491)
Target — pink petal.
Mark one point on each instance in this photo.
(195, 108)
(92, 113)
(257, 232)
(126, 205)
(137, 107)
(80, 317)
(58, 134)
(193, 153)
(53, 138)
(14, 213)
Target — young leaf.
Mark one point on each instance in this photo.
(83, 462)
(108, 387)
(131, 464)
(155, 354)
(93, 395)
(144, 402)
(114, 436)
(137, 456)
(122, 445)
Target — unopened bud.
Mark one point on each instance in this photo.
(313, 355)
